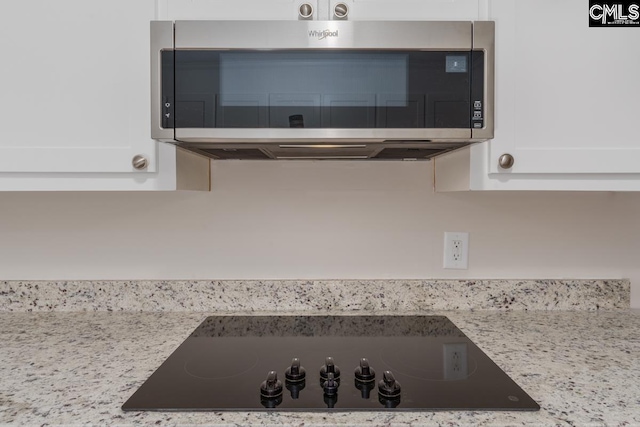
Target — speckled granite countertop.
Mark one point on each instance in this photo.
(314, 296)
(56, 368)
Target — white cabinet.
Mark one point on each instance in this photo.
(566, 103)
(177, 169)
(75, 86)
(567, 94)
(75, 96)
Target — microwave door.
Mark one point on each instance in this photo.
(267, 82)
(320, 89)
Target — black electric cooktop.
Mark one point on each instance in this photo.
(328, 363)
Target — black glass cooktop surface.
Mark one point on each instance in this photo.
(328, 363)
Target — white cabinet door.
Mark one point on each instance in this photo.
(567, 96)
(75, 86)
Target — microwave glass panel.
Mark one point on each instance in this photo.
(320, 89)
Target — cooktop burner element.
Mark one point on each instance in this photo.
(320, 363)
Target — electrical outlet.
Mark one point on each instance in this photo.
(455, 363)
(456, 250)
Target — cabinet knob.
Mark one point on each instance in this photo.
(506, 161)
(340, 11)
(139, 162)
(305, 11)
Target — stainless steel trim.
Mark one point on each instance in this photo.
(405, 35)
(161, 39)
(435, 144)
(306, 135)
(484, 38)
(323, 146)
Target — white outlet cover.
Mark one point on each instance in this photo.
(450, 261)
(455, 359)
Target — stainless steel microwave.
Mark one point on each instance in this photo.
(322, 89)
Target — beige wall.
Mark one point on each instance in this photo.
(318, 220)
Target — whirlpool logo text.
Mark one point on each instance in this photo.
(322, 34)
(614, 14)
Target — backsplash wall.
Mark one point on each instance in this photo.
(318, 220)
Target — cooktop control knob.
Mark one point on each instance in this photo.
(272, 386)
(330, 385)
(388, 387)
(364, 372)
(329, 368)
(295, 373)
